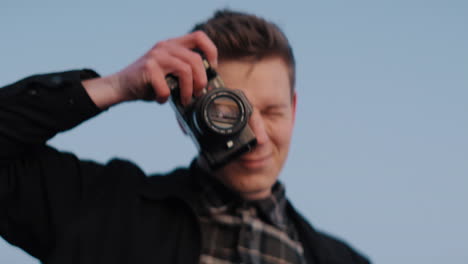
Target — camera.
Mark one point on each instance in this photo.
(217, 121)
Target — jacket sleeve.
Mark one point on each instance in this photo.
(40, 188)
(34, 109)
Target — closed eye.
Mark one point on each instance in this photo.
(275, 110)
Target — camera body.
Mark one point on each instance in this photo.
(217, 121)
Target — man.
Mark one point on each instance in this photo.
(63, 210)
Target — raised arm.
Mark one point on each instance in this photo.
(41, 189)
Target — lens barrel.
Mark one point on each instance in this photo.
(222, 112)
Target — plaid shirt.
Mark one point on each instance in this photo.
(238, 231)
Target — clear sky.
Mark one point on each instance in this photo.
(380, 149)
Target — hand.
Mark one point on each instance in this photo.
(145, 78)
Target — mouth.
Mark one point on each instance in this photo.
(255, 162)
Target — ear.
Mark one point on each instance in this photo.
(294, 102)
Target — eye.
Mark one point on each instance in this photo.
(274, 112)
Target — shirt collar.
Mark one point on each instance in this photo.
(217, 198)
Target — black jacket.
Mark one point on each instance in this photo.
(64, 210)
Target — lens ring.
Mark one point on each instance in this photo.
(224, 112)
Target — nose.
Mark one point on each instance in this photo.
(257, 125)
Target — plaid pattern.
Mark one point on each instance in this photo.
(238, 231)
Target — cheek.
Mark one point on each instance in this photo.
(280, 133)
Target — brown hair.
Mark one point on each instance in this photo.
(240, 35)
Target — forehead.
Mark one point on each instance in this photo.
(264, 82)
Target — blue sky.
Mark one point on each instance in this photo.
(380, 150)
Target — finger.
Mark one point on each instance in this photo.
(183, 72)
(195, 61)
(154, 87)
(160, 87)
(200, 40)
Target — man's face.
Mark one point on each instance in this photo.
(267, 86)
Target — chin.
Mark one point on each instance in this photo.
(251, 183)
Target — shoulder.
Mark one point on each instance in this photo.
(338, 250)
(126, 168)
(323, 247)
(180, 183)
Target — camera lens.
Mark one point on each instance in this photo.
(223, 112)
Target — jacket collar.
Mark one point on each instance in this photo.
(182, 184)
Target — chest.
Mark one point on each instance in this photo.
(138, 231)
(244, 238)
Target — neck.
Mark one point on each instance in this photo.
(257, 195)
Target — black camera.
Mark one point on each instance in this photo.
(217, 121)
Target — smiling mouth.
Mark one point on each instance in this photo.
(254, 159)
(253, 163)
